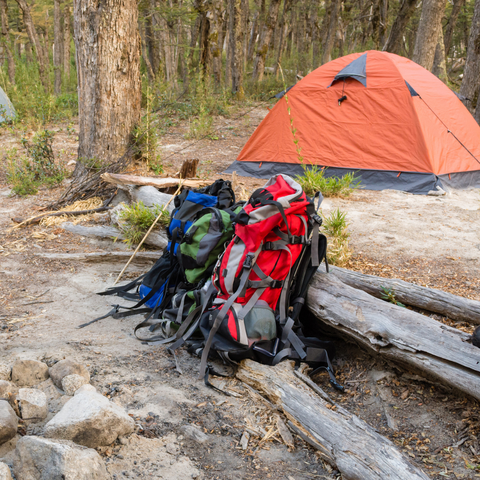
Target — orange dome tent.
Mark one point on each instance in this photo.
(375, 113)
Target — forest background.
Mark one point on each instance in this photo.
(198, 58)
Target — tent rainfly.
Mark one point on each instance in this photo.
(377, 114)
(7, 112)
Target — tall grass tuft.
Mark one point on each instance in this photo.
(313, 180)
(336, 228)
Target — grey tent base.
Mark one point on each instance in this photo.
(412, 182)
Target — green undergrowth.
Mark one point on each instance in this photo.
(137, 219)
(27, 171)
(335, 227)
(313, 180)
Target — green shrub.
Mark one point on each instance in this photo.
(19, 174)
(313, 180)
(388, 294)
(336, 228)
(137, 219)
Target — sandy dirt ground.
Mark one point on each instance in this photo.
(428, 240)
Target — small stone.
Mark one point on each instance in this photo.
(244, 440)
(172, 448)
(67, 367)
(194, 433)
(38, 458)
(5, 473)
(90, 419)
(27, 373)
(123, 440)
(86, 388)
(8, 422)
(8, 391)
(5, 372)
(71, 383)
(33, 404)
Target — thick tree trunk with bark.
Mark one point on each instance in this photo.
(395, 39)
(342, 439)
(5, 42)
(107, 45)
(265, 38)
(237, 31)
(471, 75)
(427, 33)
(57, 47)
(66, 41)
(34, 40)
(330, 32)
(216, 40)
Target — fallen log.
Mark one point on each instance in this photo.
(148, 195)
(415, 341)
(119, 179)
(343, 440)
(155, 239)
(447, 304)
(96, 257)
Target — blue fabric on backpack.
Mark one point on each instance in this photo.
(178, 224)
(202, 199)
(156, 299)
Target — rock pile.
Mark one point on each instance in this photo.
(86, 420)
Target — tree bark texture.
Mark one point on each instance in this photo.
(343, 440)
(216, 39)
(471, 75)
(439, 62)
(449, 28)
(330, 32)
(430, 299)
(265, 38)
(238, 20)
(5, 42)
(410, 339)
(34, 40)
(57, 48)
(66, 41)
(282, 35)
(427, 33)
(395, 39)
(107, 45)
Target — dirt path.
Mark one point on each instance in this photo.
(429, 240)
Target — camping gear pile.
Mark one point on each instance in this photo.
(233, 278)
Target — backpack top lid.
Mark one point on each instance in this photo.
(267, 207)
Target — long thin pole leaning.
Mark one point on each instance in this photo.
(148, 232)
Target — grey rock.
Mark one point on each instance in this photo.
(8, 422)
(5, 372)
(8, 391)
(86, 388)
(5, 473)
(194, 433)
(71, 383)
(90, 419)
(27, 373)
(67, 367)
(33, 404)
(37, 458)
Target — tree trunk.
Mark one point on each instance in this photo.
(283, 35)
(151, 38)
(427, 32)
(237, 19)
(57, 46)
(66, 42)
(439, 63)
(216, 39)
(34, 40)
(107, 46)
(6, 41)
(410, 339)
(265, 37)
(394, 42)
(343, 440)
(449, 29)
(253, 37)
(145, 55)
(471, 75)
(331, 31)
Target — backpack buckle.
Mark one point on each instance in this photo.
(318, 219)
(248, 262)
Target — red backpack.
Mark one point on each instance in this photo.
(262, 279)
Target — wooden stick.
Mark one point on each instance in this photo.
(118, 179)
(149, 230)
(32, 220)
